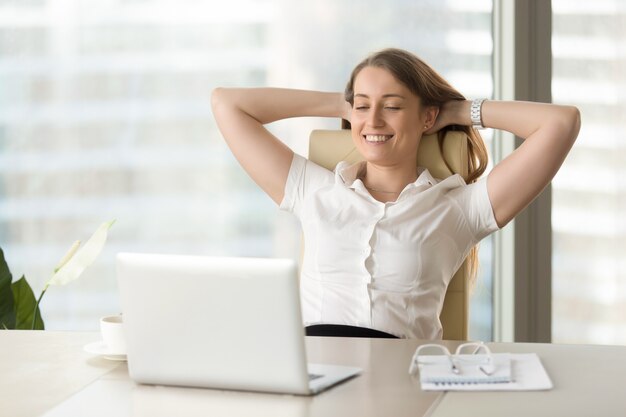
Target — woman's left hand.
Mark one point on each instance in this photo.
(453, 112)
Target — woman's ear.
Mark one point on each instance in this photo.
(431, 114)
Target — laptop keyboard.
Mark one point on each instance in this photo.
(314, 376)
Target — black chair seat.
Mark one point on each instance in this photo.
(342, 330)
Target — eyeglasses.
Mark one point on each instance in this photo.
(467, 354)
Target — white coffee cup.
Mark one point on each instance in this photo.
(112, 330)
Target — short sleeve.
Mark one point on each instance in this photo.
(476, 205)
(304, 178)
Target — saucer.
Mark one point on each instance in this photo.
(99, 348)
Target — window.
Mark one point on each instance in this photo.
(589, 192)
(105, 115)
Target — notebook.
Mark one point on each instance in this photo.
(218, 322)
(471, 369)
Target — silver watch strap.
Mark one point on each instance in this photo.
(475, 113)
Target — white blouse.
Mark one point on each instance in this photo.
(384, 266)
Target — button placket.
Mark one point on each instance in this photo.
(368, 249)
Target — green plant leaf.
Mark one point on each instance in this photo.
(25, 306)
(7, 311)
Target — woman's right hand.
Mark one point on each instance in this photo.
(347, 110)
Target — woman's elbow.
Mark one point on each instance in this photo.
(573, 121)
(566, 122)
(218, 96)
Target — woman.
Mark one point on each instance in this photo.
(383, 238)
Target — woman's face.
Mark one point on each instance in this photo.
(387, 119)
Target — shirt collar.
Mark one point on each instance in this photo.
(349, 175)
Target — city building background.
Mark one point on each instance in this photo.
(589, 192)
(105, 114)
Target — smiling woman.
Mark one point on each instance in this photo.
(387, 123)
(397, 92)
(383, 237)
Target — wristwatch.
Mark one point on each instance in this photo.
(475, 113)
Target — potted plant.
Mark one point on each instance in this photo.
(18, 307)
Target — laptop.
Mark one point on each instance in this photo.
(218, 322)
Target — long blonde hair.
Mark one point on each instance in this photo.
(433, 90)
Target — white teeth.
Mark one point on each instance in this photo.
(377, 138)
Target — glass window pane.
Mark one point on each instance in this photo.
(105, 114)
(589, 193)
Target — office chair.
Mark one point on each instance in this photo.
(329, 147)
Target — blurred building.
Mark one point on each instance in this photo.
(105, 114)
(589, 192)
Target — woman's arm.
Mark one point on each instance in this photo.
(241, 113)
(549, 131)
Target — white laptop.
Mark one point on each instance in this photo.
(215, 322)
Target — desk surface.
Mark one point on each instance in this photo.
(40, 370)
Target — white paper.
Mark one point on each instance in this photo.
(527, 373)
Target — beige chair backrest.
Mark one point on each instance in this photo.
(328, 147)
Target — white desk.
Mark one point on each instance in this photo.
(39, 370)
(588, 380)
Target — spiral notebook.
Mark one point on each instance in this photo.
(502, 372)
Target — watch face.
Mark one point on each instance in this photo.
(475, 113)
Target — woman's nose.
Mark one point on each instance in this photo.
(374, 118)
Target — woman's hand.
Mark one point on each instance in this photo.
(454, 112)
(346, 113)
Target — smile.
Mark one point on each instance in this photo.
(377, 138)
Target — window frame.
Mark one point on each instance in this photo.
(522, 62)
